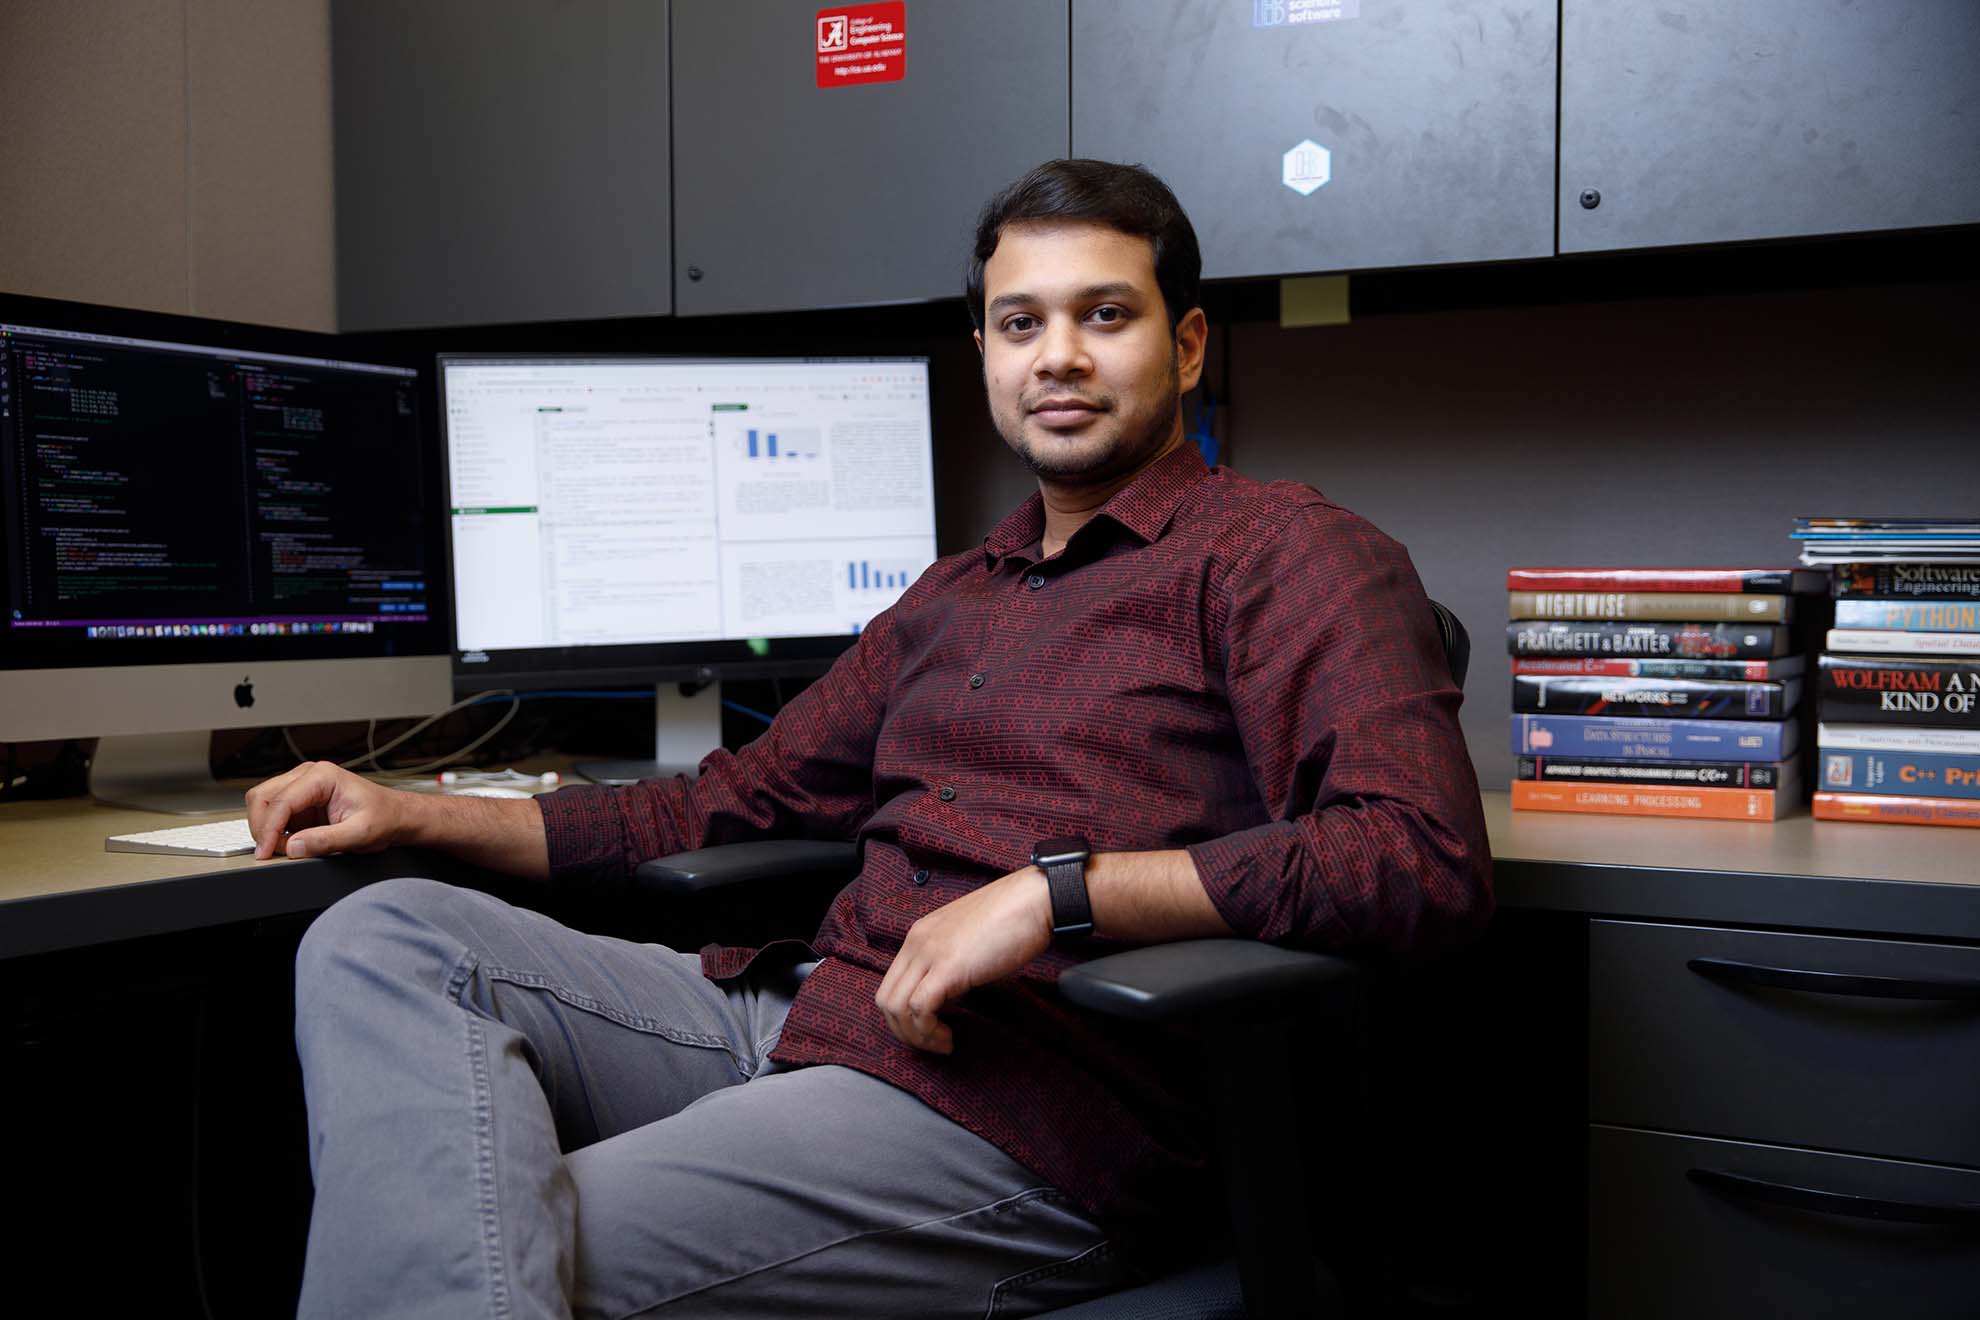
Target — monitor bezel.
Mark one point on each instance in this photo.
(649, 663)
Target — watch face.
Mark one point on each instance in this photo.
(1067, 848)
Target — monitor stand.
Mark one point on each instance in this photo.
(160, 772)
(687, 725)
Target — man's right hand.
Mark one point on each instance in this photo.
(320, 808)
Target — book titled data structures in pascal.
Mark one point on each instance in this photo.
(1656, 739)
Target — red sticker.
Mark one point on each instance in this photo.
(862, 44)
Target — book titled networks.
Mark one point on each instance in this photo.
(1656, 692)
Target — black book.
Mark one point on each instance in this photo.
(1890, 689)
(1686, 641)
(1692, 774)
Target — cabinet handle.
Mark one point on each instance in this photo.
(1959, 1213)
(1836, 983)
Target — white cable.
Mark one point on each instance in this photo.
(515, 704)
(373, 753)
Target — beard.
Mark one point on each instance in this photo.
(1112, 445)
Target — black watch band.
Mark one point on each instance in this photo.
(1063, 860)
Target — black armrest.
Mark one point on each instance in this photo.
(1164, 981)
(708, 870)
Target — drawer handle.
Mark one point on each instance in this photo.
(1837, 1203)
(1836, 983)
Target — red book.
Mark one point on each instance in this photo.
(1762, 581)
(1881, 809)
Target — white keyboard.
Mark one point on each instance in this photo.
(213, 838)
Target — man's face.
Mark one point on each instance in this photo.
(1083, 372)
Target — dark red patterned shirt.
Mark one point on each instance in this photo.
(1238, 668)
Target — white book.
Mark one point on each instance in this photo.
(1893, 641)
(1896, 738)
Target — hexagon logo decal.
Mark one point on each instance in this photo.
(1306, 167)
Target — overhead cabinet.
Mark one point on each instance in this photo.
(1709, 121)
(1329, 135)
(500, 162)
(838, 156)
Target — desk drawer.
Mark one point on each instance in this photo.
(1683, 1226)
(1756, 1043)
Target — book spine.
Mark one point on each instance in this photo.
(1660, 606)
(1685, 641)
(1603, 736)
(1690, 698)
(1682, 774)
(1751, 671)
(1910, 615)
(1897, 738)
(1892, 641)
(1912, 581)
(1770, 581)
(1911, 774)
(1896, 810)
(1861, 690)
(1624, 800)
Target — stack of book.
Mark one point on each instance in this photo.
(1899, 681)
(1656, 691)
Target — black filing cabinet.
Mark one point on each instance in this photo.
(1782, 1124)
(1308, 136)
(1707, 121)
(791, 194)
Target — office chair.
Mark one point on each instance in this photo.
(1275, 1265)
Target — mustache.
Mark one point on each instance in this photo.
(1036, 401)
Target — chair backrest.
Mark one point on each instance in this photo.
(1457, 642)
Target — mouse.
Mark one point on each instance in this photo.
(485, 790)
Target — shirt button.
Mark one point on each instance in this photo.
(1035, 581)
(976, 680)
(947, 794)
(921, 877)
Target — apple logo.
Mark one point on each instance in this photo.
(244, 693)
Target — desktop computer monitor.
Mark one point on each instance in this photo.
(675, 521)
(206, 526)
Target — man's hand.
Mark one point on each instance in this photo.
(320, 808)
(984, 936)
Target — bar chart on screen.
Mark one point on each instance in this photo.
(791, 444)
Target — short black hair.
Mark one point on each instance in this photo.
(1129, 198)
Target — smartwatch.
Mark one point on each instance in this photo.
(1063, 860)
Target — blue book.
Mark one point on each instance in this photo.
(1625, 738)
(1910, 615)
(1909, 774)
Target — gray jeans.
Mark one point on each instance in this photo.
(510, 1118)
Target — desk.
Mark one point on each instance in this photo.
(1561, 1032)
(59, 889)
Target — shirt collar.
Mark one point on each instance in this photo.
(1143, 507)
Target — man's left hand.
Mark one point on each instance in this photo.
(984, 936)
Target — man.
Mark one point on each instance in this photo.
(1233, 691)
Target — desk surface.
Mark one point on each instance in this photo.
(60, 889)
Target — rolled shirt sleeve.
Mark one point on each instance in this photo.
(1343, 698)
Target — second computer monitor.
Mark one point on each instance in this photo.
(620, 519)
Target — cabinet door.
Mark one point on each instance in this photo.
(1706, 121)
(500, 162)
(1324, 135)
(790, 194)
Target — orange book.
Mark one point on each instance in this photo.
(1887, 809)
(1608, 799)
